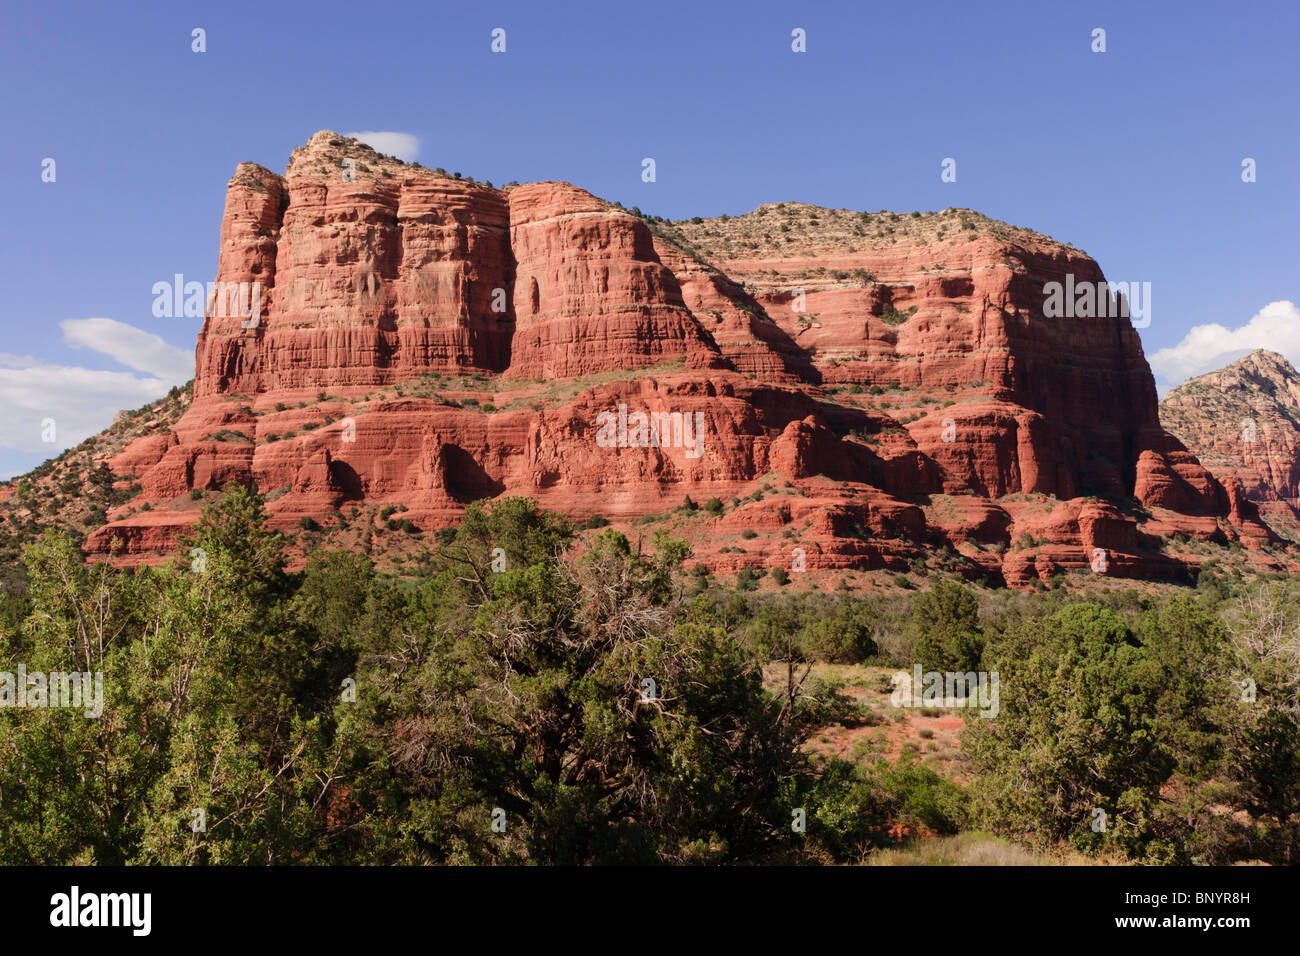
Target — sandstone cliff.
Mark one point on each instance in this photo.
(1243, 421)
(864, 389)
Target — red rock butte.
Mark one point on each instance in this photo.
(1244, 422)
(872, 387)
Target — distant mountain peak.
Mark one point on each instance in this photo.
(1243, 421)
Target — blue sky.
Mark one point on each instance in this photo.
(1133, 154)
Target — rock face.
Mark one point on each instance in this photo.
(864, 390)
(590, 293)
(1243, 421)
(363, 280)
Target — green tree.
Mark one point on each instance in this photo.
(564, 695)
(944, 628)
(1265, 745)
(1078, 731)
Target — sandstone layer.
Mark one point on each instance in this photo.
(1243, 421)
(857, 390)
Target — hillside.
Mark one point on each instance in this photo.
(74, 491)
(846, 394)
(1243, 422)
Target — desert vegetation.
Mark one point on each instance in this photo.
(541, 697)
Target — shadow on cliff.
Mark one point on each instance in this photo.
(794, 359)
(466, 479)
(345, 478)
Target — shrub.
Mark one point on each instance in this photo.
(925, 799)
(851, 810)
(891, 316)
(944, 628)
(836, 641)
(1080, 668)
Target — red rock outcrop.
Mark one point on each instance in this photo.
(590, 293)
(865, 400)
(1243, 421)
(369, 271)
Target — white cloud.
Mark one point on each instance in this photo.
(1204, 348)
(402, 145)
(9, 360)
(82, 401)
(132, 347)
